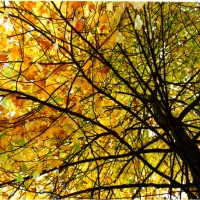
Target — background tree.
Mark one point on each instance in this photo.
(99, 100)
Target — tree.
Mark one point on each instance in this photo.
(99, 100)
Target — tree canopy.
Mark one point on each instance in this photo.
(99, 100)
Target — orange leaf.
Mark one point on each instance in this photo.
(136, 164)
(136, 102)
(3, 144)
(27, 60)
(62, 68)
(31, 72)
(33, 189)
(102, 28)
(3, 58)
(1, 108)
(4, 42)
(5, 195)
(91, 5)
(45, 44)
(76, 4)
(105, 70)
(16, 52)
(104, 18)
(79, 25)
(60, 134)
(39, 85)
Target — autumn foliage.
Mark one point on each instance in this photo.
(99, 100)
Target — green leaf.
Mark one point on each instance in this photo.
(7, 71)
(191, 99)
(20, 142)
(58, 99)
(24, 168)
(103, 51)
(35, 174)
(19, 178)
(3, 157)
(10, 147)
(6, 102)
(57, 173)
(67, 127)
(131, 180)
(27, 184)
(77, 147)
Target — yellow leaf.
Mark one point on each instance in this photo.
(43, 152)
(138, 22)
(39, 167)
(100, 110)
(2, 28)
(119, 38)
(137, 5)
(39, 67)
(7, 165)
(4, 42)
(5, 52)
(87, 65)
(119, 129)
(113, 37)
(118, 12)
(110, 6)
(90, 38)
(62, 155)
(6, 12)
(55, 46)
(55, 163)
(75, 140)
(27, 125)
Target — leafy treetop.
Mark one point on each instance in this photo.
(99, 99)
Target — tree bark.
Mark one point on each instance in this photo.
(185, 146)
